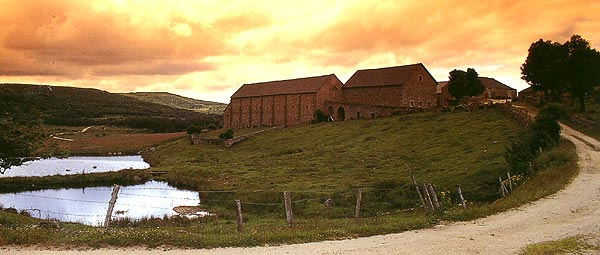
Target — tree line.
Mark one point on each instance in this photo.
(556, 68)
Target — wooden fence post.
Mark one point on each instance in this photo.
(428, 196)
(416, 187)
(503, 187)
(462, 199)
(287, 199)
(358, 203)
(111, 205)
(240, 221)
(510, 185)
(435, 198)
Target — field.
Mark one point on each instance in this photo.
(317, 162)
(103, 140)
(464, 148)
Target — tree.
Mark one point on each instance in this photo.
(545, 68)
(20, 133)
(193, 129)
(583, 66)
(464, 84)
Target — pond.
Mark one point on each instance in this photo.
(76, 165)
(89, 205)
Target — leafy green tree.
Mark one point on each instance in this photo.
(193, 129)
(464, 84)
(583, 65)
(20, 132)
(545, 68)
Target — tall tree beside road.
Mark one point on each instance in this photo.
(555, 68)
(545, 68)
(583, 67)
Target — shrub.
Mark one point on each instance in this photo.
(320, 116)
(193, 129)
(227, 134)
(543, 134)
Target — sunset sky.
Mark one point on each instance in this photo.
(208, 49)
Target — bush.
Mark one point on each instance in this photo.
(227, 134)
(193, 129)
(320, 117)
(543, 134)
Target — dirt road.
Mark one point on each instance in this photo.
(574, 210)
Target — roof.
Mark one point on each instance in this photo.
(487, 83)
(396, 75)
(493, 83)
(527, 90)
(282, 87)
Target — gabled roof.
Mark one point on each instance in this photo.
(493, 83)
(293, 86)
(527, 90)
(487, 83)
(397, 75)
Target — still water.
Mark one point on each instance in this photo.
(76, 165)
(89, 205)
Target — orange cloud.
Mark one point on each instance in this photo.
(211, 48)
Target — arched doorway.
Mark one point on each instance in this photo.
(341, 114)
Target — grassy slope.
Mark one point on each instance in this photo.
(446, 149)
(338, 142)
(180, 102)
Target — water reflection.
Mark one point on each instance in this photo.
(76, 165)
(89, 205)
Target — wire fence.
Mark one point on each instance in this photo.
(319, 203)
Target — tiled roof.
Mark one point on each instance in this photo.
(493, 83)
(294, 86)
(487, 83)
(397, 75)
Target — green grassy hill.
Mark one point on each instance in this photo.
(179, 102)
(83, 106)
(316, 162)
(331, 159)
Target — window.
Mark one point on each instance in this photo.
(420, 77)
(412, 103)
(372, 115)
(357, 115)
(420, 104)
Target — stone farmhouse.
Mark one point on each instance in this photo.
(368, 93)
(493, 90)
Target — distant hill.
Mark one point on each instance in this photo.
(180, 102)
(71, 106)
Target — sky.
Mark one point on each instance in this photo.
(206, 49)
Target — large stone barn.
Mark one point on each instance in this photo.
(379, 92)
(278, 103)
(368, 93)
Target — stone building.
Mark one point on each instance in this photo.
(493, 90)
(379, 92)
(368, 93)
(281, 103)
(497, 90)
